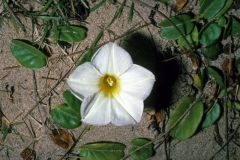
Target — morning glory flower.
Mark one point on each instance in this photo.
(111, 87)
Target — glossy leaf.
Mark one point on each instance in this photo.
(102, 151)
(192, 38)
(71, 33)
(235, 27)
(189, 124)
(67, 115)
(27, 55)
(210, 33)
(213, 72)
(211, 116)
(222, 21)
(211, 8)
(225, 8)
(213, 51)
(144, 153)
(181, 21)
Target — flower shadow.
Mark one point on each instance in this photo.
(144, 53)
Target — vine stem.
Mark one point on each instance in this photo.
(82, 51)
(162, 135)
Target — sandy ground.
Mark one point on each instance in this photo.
(17, 95)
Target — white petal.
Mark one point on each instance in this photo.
(83, 81)
(137, 81)
(96, 109)
(126, 109)
(112, 59)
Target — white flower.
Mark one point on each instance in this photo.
(111, 87)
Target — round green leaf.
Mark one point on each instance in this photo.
(102, 151)
(181, 21)
(211, 8)
(222, 21)
(144, 153)
(210, 33)
(235, 27)
(189, 124)
(192, 38)
(217, 77)
(71, 33)
(27, 55)
(213, 51)
(67, 115)
(211, 116)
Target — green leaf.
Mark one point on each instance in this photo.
(217, 77)
(117, 13)
(211, 8)
(102, 151)
(130, 15)
(67, 115)
(210, 33)
(228, 28)
(97, 6)
(197, 80)
(145, 152)
(236, 105)
(181, 21)
(211, 116)
(235, 27)
(237, 64)
(222, 21)
(192, 38)
(27, 55)
(225, 8)
(71, 33)
(213, 51)
(88, 55)
(189, 124)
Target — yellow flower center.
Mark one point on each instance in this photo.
(109, 85)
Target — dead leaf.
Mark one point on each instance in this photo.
(28, 154)
(179, 5)
(62, 138)
(156, 116)
(195, 62)
(227, 67)
(212, 94)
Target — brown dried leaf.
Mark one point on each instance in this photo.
(195, 63)
(158, 116)
(62, 138)
(227, 67)
(179, 5)
(28, 154)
